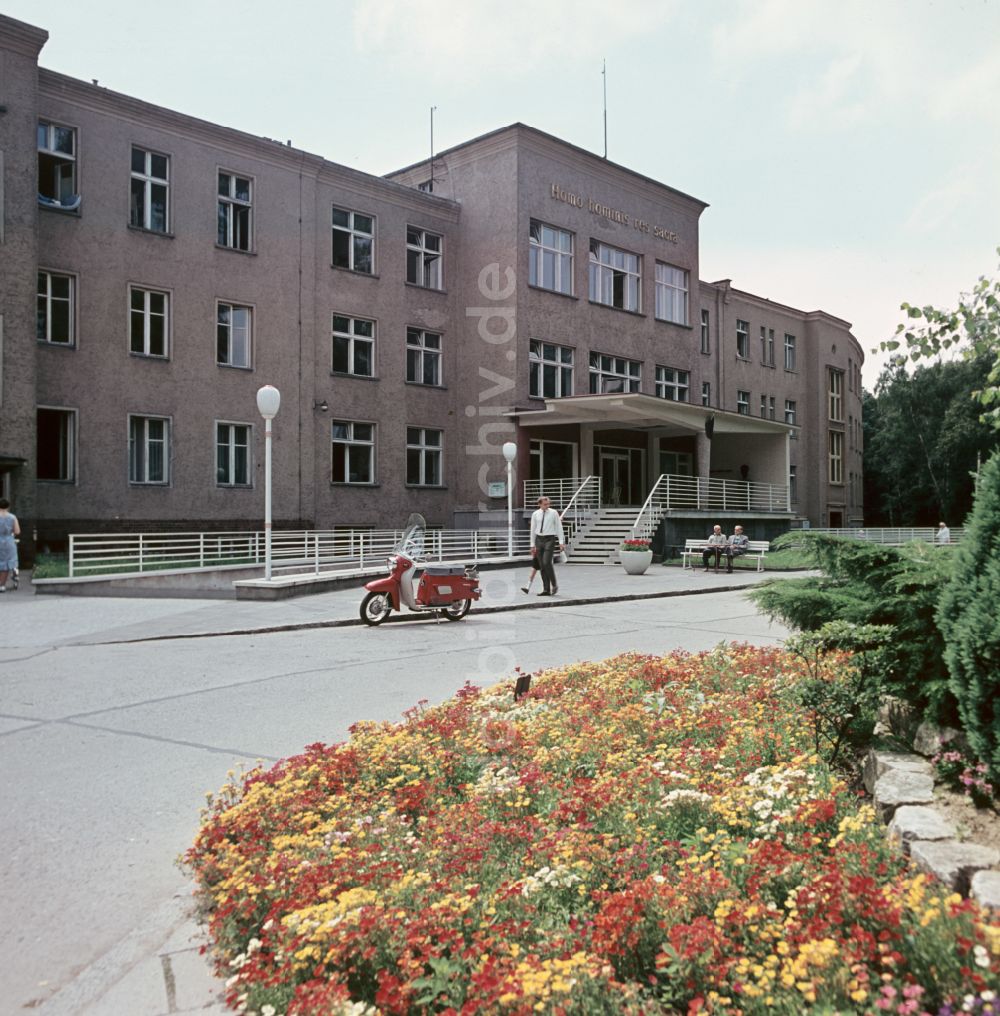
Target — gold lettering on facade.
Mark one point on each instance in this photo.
(559, 193)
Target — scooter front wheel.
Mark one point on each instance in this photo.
(457, 610)
(375, 608)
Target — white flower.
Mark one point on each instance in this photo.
(268, 1010)
(982, 957)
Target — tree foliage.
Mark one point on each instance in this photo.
(871, 584)
(923, 441)
(973, 329)
(969, 620)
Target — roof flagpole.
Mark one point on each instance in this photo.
(604, 74)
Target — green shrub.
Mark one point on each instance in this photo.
(969, 618)
(870, 584)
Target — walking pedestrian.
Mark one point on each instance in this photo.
(9, 528)
(546, 538)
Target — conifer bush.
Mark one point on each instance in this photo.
(968, 616)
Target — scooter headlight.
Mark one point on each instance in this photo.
(390, 563)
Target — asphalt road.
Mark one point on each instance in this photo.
(107, 747)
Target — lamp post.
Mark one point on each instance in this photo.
(510, 453)
(268, 401)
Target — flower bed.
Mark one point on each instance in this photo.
(634, 836)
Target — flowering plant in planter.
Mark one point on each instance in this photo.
(635, 544)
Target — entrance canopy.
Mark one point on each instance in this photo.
(634, 410)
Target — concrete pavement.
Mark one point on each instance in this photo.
(115, 714)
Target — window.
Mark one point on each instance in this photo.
(613, 374)
(767, 346)
(706, 393)
(353, 454)
(836, 395)
(671, 294)
(423, 258)
(672, 384)
(551, 370)
(770, 407)
(793, 484)
(743, 402)
(423, 357)
(705, 347)
(423, 456)
(789, 352)
(763, 407)
(233, 335)
(550, 258)
(232, 454)
(790, 412)
(150, 183)
(353, 241)
(55, 313)
(55, 431)
(148, 322)
(836, 456)
(56, 164)
(743, 339)
(148, 449)
(353, 346)
(614, 277)
(235, 205)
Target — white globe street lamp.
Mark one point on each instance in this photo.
(268, 402)
(510, 453)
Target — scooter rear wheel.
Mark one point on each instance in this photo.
(457, 610)
(375, 608)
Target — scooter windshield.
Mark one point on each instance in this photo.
(412, 541)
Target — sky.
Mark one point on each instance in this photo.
(849, 149)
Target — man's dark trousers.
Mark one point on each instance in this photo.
(545, 552)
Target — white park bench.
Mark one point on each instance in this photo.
(756, 551)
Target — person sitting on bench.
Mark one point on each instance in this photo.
(736, 546)
(716, 545)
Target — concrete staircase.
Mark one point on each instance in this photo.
(598, 543)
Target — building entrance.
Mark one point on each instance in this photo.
(621, 475)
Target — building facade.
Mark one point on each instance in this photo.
(156, 270)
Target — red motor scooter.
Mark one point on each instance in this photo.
(445, 589)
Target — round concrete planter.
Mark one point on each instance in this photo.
(635, 562)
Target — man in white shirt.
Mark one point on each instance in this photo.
(546, 538)
(943, 534)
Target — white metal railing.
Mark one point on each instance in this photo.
(318, 550)
(586, 500)
(560, 491)
(896, 536)
(652, 511)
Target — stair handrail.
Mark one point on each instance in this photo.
(593, 498)
(652, 510)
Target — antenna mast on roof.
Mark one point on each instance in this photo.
(604, 74)
(431, 185)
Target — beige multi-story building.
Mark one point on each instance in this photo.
(156, 270)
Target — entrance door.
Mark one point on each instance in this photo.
(615, 477)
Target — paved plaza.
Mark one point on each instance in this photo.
(118, 714)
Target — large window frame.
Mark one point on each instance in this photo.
(790, 351)
(423, 357)
(424, 258)
(352, 453)
(353, 240)
(673, 384)
(235, 215)
(148, 450)
(233, 454)
(55, 425)
(424, 457)
(550, 370)
(550, 258)
(234, 335)
(615, 277)
(672, 293)
(57, 164)
(742, 402)
(149, 201)
(55, 309)
(616, 374)
(836, 456)
(767, 346)
(352, 346)
(835, 390)
(149, 322)
(742, 339)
